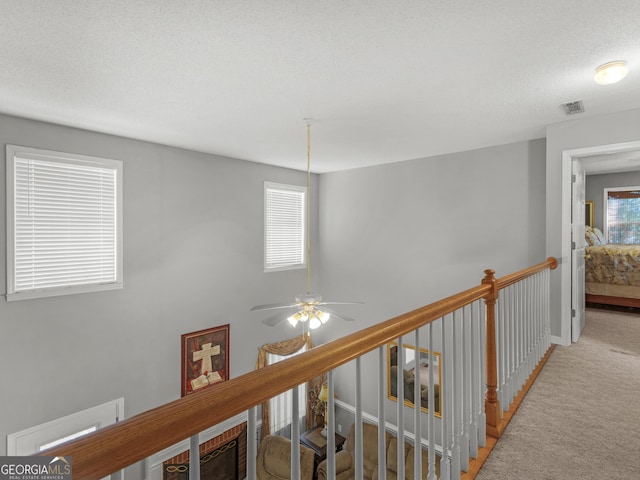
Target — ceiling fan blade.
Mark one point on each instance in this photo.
(275, 319)
(339, 316)
(274, 306)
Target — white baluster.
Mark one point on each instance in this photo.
(432, 414)
(358, 428)
(482, 347)
(465, 394)
(456, 400)
(400, 408)
(417, 403)
(331, 428)
(513, 311)
(501, 346)
(252, 444)
(295, 433)
(194, 457)
(444, 400)
(382, 453)
(474, 389)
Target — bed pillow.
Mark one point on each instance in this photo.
(600, 236)
(591, 237)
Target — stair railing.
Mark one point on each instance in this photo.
(510, 352)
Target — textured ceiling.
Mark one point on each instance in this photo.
(386, 80)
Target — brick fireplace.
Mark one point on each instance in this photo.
(176, 468)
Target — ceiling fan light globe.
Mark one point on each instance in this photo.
(294, 319)
(314, 323)
(323, 316)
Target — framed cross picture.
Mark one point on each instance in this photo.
(205, 358)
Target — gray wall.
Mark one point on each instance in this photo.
(403, 235)
(193, 259)
(620, 127)
(596, 184)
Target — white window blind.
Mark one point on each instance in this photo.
(64, 223)
(284, 226)
(623, 215)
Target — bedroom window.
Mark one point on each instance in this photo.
(64, 223)
(623, 215)
(284, 222)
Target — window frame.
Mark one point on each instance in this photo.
(270, 186)
(13, 152)
(30, 440)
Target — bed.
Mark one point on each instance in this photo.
(612, 271)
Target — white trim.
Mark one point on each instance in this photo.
(565, 263)
(28, 441)
(63, 291)
(153, 464)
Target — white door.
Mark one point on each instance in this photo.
(578, 249)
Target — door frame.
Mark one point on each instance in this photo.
(566, 273)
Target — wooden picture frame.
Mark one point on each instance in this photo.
(205, 358)
(588, 213)
(409, 377)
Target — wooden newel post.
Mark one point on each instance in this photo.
(491, 403)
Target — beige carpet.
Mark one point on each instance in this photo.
(581, 418)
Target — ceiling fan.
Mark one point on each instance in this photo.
(307, 307)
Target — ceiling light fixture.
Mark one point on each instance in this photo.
(611, 72)
(308, 309)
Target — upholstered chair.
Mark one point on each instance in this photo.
(345, 459)
(273, 461)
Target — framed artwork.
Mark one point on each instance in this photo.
(427, 362)
(205, 358)
(588, 213)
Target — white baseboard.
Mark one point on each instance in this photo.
(559, 341)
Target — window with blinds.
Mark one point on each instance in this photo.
(64, 223)
(623, 215)
(284, 226)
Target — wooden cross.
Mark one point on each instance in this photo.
(205, 355)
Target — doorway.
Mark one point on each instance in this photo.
(584, 161)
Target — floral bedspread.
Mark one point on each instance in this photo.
(614, 264)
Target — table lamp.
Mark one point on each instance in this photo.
(323, 396)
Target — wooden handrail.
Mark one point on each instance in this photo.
(503, 282)
(125, 443)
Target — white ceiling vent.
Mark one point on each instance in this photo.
(573, 107)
